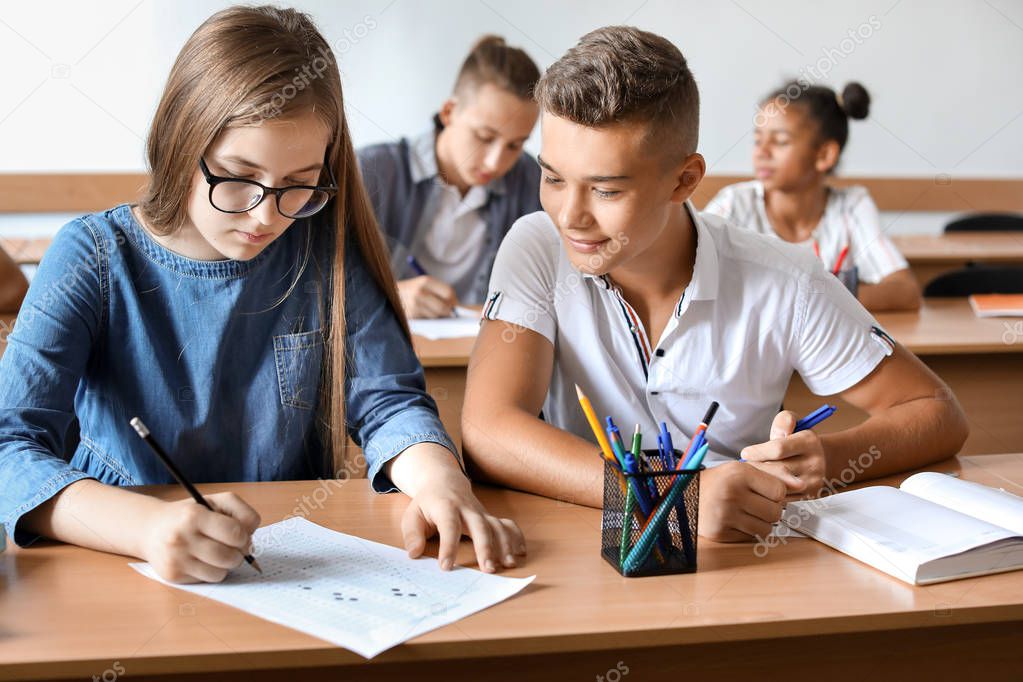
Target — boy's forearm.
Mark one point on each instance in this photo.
(903, 437)
(520, 451)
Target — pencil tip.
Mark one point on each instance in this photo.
(255, 565)
(579, 391)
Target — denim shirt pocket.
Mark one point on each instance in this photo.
(299, 358)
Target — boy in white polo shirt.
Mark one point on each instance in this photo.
(619, 286)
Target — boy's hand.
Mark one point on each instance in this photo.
(426, 297)
(797, 459)
(739, 502)
(448, 508)
(186, 543)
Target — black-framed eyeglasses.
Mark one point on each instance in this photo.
(238, 195)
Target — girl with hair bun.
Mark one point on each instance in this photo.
(800, 133)
(445, 198)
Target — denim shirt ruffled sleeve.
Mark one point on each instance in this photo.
(222, 360)
(386, 399)
(46, 354)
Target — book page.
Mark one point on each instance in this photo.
(979, 501)
(889, 529)
(358, 594)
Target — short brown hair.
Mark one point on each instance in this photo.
(620, 74)
(492, 61)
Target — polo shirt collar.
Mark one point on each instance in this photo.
(706, 270)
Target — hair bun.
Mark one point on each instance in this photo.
(855, 101)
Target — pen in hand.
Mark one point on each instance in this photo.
(143, 432)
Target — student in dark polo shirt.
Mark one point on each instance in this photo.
(446, 198)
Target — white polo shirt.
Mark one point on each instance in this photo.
(850, 219)
(756, 310)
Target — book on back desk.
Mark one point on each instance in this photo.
(997, 305)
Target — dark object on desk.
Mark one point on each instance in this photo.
(987, 222)
(977, 279)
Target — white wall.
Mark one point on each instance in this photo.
(82, 79)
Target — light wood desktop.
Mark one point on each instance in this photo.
(798, 609)
(25, 251)
(931, 255)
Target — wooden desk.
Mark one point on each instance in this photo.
(26, 251)
(980, 359)
(444, 363)
(931, 255)
(799, 607)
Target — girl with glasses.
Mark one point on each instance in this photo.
(245, 310)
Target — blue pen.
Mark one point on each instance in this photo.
(629, 465)
(811, 420)
(669, 447)
(814, 418)
(416, 267)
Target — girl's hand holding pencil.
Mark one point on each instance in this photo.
(186, 543)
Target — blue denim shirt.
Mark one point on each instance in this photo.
(220, 359)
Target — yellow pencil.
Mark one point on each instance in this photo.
(591, 417)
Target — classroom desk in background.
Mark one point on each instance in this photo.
(445, 364)
(797, 607)
(931, 255)
(928, 254)
(980, 359)
(25, 251)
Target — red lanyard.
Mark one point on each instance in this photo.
(838, 261)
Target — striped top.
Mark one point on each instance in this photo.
(850, 220)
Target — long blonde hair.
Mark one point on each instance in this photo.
(242, 66)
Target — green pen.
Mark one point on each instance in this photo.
(637, 452)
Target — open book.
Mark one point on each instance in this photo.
(931, 529)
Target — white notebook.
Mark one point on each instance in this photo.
(931, 529)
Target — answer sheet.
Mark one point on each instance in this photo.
(465, 322)
(361, 595)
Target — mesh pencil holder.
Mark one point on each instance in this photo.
(651, 536)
